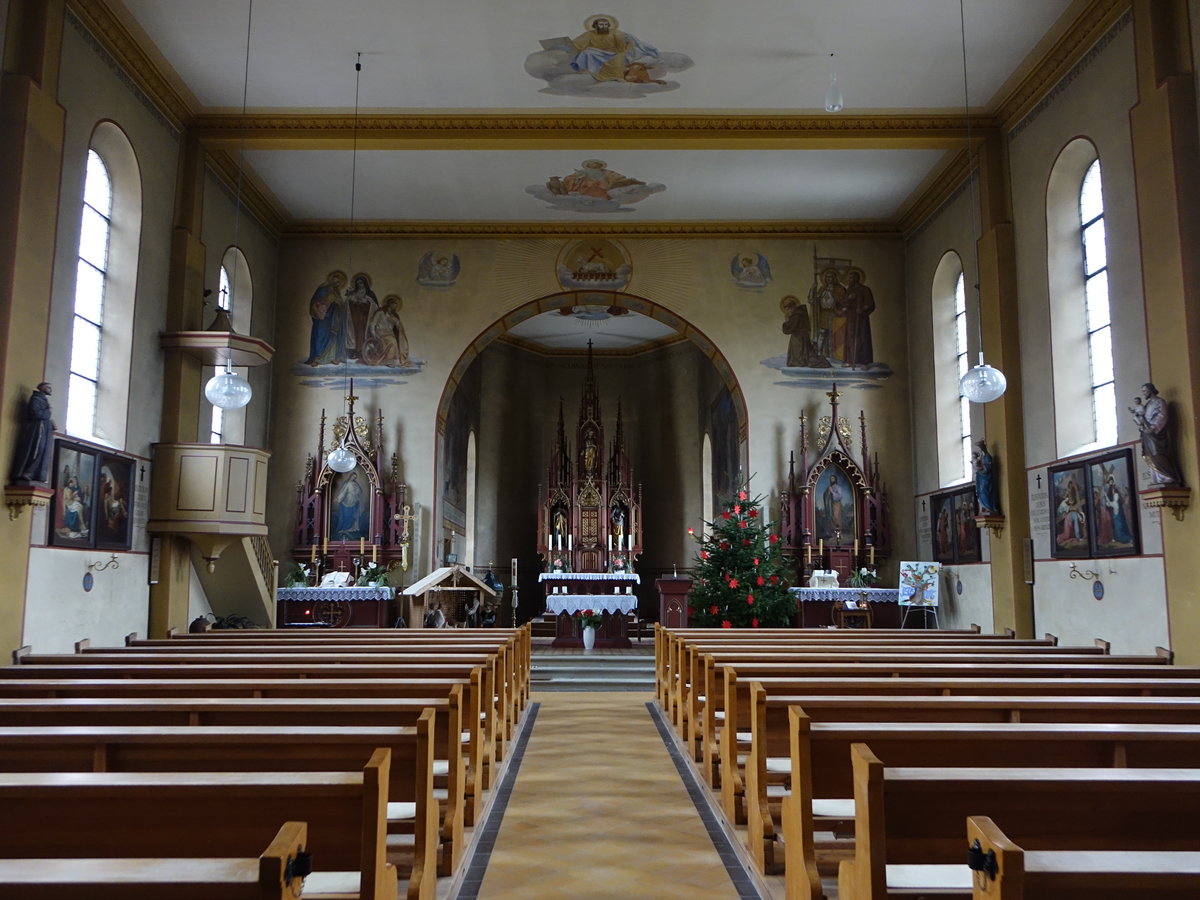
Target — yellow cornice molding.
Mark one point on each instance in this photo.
(128, 49)
(928, 199)
(1088, 28)
(261, 202)
(585, 131)
(331, 228)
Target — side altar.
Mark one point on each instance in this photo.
(358, 522)
(590, 526)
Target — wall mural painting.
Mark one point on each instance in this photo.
(350, 511)
(438, 269)
(1095, 515)
(593, 188)
(829, 330)
(74, 496)
(604, 61)
(354, 334)
(750, 270)
(593, 264)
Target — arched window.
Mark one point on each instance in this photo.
(1095, 293)
(235, 293)
(91, 273)
(950, 363)
(1085, 407)
(105, 289)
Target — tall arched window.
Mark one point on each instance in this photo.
(1095, 291)
(235, 294)
(91, 275)
(950, 363)
(105, 289)
(1085, 409)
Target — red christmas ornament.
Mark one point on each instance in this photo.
(749, 599)
(737, 509)
(725, 514)
(726, 624)
(754, 623)
(713, 610)
(733, 582)
(774, 539)
(761, 581)
(753, 513)
(741, 495)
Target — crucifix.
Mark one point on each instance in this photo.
(1039, 479)
(405, 517)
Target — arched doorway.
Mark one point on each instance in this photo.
(674, 390)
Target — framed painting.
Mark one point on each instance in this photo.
(833, 507)
(966, 535)
(72, 519)
(941, 512)
(1113, 505)
(350, 498)
(114, 500)
(1071, 537)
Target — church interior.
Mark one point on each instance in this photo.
(523, 297)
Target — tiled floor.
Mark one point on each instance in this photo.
(599, 810)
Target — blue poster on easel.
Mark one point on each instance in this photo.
(919, 583)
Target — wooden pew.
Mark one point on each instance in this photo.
(252, 748)
(274, 875)
(909, 821)
(723, 705)
(238, 712)
(1079, 874)
(820, 776)
(204, 814)
(1015, 708)
(496, 684)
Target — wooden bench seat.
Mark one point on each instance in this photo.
(1015, 708)
(272, 876)
(915, 816)
(1080, 874)
(819, 774)
(462, 791)
(207, 814)
(253, 748)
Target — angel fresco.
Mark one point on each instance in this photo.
(750, 270)
(593, 187)
(604, 61)
(438, 269)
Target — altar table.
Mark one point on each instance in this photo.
(608, 593)
(831, 596)
(346, 607)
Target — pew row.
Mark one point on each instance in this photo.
(1012, 873)
(215, 815)
(816, 795)
(909, 821)
(277, 874)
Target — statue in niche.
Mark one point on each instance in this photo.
(31, 462)
(1153, 421)
(985, 480)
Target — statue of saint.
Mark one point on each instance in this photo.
(31, 462)
(985, 480)
(1153, 421)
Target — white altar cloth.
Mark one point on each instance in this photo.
(827, 595)
(576, 603)
(590, 576)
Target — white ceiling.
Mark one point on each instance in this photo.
(756, 56)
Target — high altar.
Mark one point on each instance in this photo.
(347, 521)
(590, 525)
(835, 508)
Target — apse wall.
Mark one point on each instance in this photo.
(690, 284)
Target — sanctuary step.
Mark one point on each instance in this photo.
(594, 671)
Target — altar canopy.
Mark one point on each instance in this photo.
(835, 509)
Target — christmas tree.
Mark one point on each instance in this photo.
(741, 576)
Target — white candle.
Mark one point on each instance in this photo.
(631, 542)
(610, 543)
(549, 541)
(560, 542)
(570, 542)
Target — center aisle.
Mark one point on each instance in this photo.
(598, 810)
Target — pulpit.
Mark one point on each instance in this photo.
(672, 601)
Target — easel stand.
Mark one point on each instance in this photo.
(926, 612)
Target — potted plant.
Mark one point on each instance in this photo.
(589, 620)
(864, 578)
(619, 563)
(298, 576)
(373, 575)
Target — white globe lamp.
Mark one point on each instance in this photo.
(341, 459)
(983, 383)
(228, 390)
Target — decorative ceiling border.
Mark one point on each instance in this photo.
(261, 203)
(833, 229)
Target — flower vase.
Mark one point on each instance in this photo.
(589, 637)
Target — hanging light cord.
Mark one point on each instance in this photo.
(972, 184)
(241, 171)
